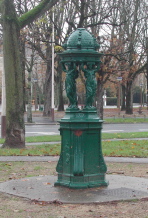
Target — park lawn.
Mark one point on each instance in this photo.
(125, 135)
(33, 150)
(47, 138)
(57, 138)
(123, 148)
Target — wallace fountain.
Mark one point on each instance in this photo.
(81, 163)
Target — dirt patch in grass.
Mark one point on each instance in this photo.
(17, 170)
(15, 207)
(128, 169)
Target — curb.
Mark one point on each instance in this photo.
(33, 123)
(56, 158)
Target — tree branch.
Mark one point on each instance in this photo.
(107, 23)
(33, 14)
(139, 71)
(38, 49)
(71, 24)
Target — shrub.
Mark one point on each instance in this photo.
(111, 101)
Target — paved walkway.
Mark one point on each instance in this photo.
(42, 188)
(55, 158)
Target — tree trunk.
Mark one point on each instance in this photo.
(100, 98)
(15, 130)
(129, 98)
(123, 100)
(60, 89)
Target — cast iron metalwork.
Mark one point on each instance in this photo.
(70, 83)
(81, 163)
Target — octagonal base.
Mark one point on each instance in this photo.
(80, 182)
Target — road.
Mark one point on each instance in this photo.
(34, 130)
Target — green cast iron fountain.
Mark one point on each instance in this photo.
(81, 163)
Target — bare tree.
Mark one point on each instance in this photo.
(15, 131)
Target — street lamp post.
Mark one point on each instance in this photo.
(147, 69)
(3, 114)
(52, 80)
(104, 98)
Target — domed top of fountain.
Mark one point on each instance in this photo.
(82, 40)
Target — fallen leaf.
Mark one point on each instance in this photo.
(16, 211)
(47, 183)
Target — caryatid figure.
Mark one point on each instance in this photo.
(90, 84)
(70, 83)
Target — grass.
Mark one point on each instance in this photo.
(36, 150)
(57, 138)
(48, 138)
(128, 148)
(126, 135)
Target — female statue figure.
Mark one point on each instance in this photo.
(90, 84)
(70, 83)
